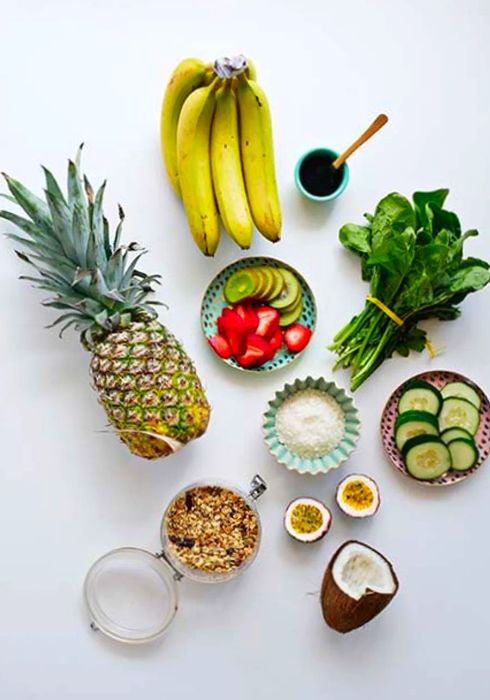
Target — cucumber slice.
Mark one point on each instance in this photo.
(454, 433)
(461, 390)
(412, 423)
(464, 454)
(459, 413)
(426, 457)
(420, 396)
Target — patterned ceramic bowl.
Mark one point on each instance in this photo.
(213, 303)
(390, 412)
(331, 460)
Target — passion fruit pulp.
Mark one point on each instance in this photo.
(307, 519)
(358, 496)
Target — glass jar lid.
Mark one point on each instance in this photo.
(131, 595)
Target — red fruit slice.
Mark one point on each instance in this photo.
(220, 346)
(247, 313)
(233, 328)
(227, 311)
(257, 352)
(276, 341)
(268, 321)
(297, 337)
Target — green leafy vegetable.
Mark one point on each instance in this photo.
(412, 256)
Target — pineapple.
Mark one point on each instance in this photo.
(145, 381)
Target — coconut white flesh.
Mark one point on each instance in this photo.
(351, 510)
(307, 536)
(358, 569)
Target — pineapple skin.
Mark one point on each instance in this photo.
(146, 382)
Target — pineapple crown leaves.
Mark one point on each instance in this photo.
(90, 276)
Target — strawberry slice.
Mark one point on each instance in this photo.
(257, 352)
(248, 314)
(268, 321)
(220, 346)
(233, 328)
(297, 337)
(276, 341)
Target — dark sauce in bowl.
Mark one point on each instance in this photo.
(317, 175)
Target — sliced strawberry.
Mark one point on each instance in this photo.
(270, 352)
(257, 352)
(268, 321)
(220, 346)
(248, 314)
(233, 328)
(276, 341)
(297, 337)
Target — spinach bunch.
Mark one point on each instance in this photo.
(412, 257)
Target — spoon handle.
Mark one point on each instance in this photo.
(379, 122)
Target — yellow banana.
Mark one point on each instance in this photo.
(190, 74)
(226, 166)
(250, 70)
(257, 153)
(194, 166)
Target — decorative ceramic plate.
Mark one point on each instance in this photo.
(331, 460)
(438, 378)
(214, 301)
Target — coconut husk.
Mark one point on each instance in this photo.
(343, 613)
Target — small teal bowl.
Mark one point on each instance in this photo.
(332, 155)
(329, 461)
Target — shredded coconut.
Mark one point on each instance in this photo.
(310, 423)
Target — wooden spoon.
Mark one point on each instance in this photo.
(379, 122)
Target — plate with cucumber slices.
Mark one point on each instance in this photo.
(258, 314)
(435, 427)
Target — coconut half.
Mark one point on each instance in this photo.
(358, 496)
(358, 584)
(307, 519)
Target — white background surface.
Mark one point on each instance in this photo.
(72, 71)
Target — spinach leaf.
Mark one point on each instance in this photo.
(393, 215)
(440, 219)
(418, 291)
(422, 199)
(470, 278)
(414, 339)
(395, 254)
(356, 238)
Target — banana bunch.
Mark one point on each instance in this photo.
(216, 140)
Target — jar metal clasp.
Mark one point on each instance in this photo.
(177, 576)
(257, 487)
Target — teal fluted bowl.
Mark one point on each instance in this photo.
(328, 461)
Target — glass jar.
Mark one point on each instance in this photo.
(206, 576)
(131, 594)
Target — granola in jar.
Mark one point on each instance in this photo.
(212, 529)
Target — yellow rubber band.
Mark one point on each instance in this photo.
(391, 314)
(431, 349)
(399, 322)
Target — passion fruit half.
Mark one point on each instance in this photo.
(307, 519)
(358, 496)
